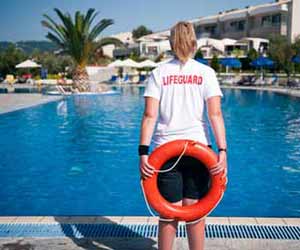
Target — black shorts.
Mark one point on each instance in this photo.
(189, 179)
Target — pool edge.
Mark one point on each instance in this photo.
(144, 220)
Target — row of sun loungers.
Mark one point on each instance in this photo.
(259, 81)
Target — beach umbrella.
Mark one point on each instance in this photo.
(117, 63)
(296, 59)
(130, 63)
(202, 60)
(231, 62)
(262, 62)
(147, 64)
(28, 64)
(164, 61)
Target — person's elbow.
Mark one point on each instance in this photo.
(215, 114)
(150, 115)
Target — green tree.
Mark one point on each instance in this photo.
(198, 54)
(9, 58)
(215, 63)
(77, 37)
(281, 51)
(251, 55)
(237, 53)
(141, 31)
(296, 47)
(55, 63)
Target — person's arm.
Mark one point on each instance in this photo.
(149, 120)
(215, 116)
(147, 128)
(216, 120)
(152, 96)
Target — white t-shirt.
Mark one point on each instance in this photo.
(182, 91)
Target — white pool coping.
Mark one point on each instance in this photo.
(145, 220)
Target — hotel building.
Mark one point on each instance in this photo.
(240, 29)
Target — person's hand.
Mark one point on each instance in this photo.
(145, 169)
(221, 165)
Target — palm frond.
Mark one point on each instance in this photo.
(109, 40)
(89, 17)
(56, 28)
(66, 19)
(55, 40)
(99, 27)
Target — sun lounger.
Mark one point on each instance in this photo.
(113, 79)
(61, 90)
(142, 78)
(125, 79)
(293, 83)
(10, 79)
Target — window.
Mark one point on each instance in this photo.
(266, 21)
(238, 25)
(143, 48)
(210, 29)
(273, 20)
(241, 25)
(152, 50)
(276, 20)
(198, 31)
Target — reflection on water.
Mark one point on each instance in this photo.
(79, 156)
(62, 108)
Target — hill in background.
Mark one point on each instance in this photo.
(29, 46)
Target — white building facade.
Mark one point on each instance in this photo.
(281, 17)
(238, 29)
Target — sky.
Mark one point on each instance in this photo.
(21, 20)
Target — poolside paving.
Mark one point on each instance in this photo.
(13, 102)
(134, 243)
(140, 244)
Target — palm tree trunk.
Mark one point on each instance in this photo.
(81, 79)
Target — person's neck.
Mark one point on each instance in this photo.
(182, 63)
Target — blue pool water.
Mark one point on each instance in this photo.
(79, 156)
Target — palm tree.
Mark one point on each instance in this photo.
(78, 39)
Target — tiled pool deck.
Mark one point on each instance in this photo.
(131, 241)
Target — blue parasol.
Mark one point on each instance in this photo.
(231, 62)
(262, 62)
(296, 59)
(202, 60)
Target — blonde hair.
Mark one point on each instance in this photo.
(183, 41)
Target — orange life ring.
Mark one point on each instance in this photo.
(206, 204)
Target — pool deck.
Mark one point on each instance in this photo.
(127, 243)
(13, 102)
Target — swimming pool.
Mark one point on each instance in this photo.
(79, 156)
